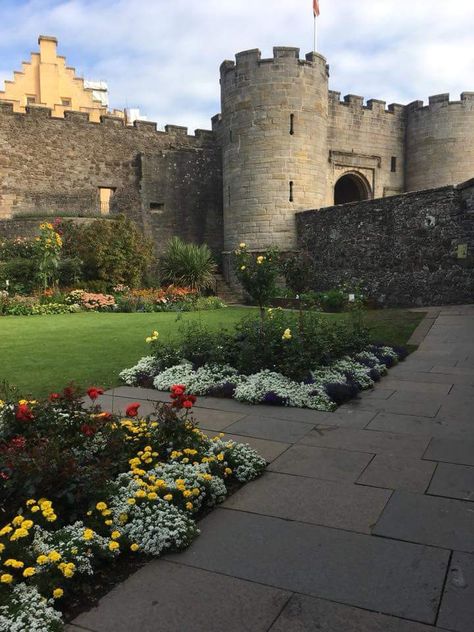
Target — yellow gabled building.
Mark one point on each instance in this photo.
(47, 81)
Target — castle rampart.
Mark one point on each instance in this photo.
(440, 141)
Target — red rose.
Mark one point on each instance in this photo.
(88, 430)
(24, 413)
(187, 403)
(94, 392)
(54, 396)
(132, 409)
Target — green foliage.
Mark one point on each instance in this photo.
(334, 300)
(257, 273)
(69, 271)
(21, 274)
(187, 265)
(297, 271)
(48, 247)
(111, 251)
(20, 247)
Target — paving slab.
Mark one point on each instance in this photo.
(309, 614)
(166, 597)
(215, 419)
(349, 417)
(272, 429)
(467, 373)
(451, 451)
(457, 606)
(398, 472)
(377, 393)
(428, 520)
(416, 386)
(338, 505)
(396, 578)
(404, 403)
(440, 426)
(270, 450)
(403, 374)
(453, 481)
(325, 463)
(140, 393)
(369, 441)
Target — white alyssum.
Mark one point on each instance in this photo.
(148, 365)
(245, 462)
(178, 374)
(359, 373)
(28, 611)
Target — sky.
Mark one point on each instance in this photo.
(163, 56)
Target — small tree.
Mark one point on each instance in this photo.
(258, 274)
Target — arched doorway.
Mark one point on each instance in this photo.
(351, 187)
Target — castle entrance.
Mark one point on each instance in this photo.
(351, 188)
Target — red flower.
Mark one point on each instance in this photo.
(187, 403)
(132, 409)
(54, 396)
(18, 443)
(24, 413)
(105, 416)
(94, 392)
(88, 430)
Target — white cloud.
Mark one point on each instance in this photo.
(164, 55)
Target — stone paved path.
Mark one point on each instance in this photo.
(364, 521)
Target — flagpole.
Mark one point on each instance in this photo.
(315, 32)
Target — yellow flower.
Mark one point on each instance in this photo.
(131, 501)
(22, 402)
(19, 533)
(152, 496)
(101, 506)
(2, 403)
(58, 593)
(17, 520)
(106, 512)
(228, 470)
(74, 550)
(189, 506)
(149, 340)
(6, 578)
(134, 547)
(88, 534)
(51, 517)
(187, 493)
(2, 547)
(108, 522)
(13, 563)
(168, 497)
(115, 535)
(242, 245)
(68, 572)
(286, 335)
(35, 508)
(155, 334)
(6, 529)
(30, 502)
(123, 518)
(260, 259)
(29, 571)
(220, 456)
(42, 559)
(113, 546)
(27, 524)
(54, 556)
(243, 268)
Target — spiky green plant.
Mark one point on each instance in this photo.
(187, 265)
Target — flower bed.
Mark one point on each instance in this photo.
(80, 487)
(284, 359)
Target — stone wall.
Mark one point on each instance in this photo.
(50, 165)
(364, 139)
(411, 249)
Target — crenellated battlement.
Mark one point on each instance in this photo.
(247, 59)
(37, 112)
(356, 102)
(438, 101)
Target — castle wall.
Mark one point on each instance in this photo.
(411, 249)
(440, 142)
(51, 165)
(364, 140)
(274, 132)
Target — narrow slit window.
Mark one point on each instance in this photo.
(291, 190)
(228, 195)
(66, 102)
(393, 165)
(292, 124)
(231, 136)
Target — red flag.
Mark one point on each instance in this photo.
(316, 8)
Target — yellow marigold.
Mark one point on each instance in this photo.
(189, 506)
(30, 502)
(19, 533)
(22, 402)
(27, 524)
(220, 456)
(101, 506)
(168, 497)
(131, 501)
(106, 512)
(196, 491)
(51, 517)
(6, 529)
(108, 523)
(115, 535)
(68, 572)
(13, 563)
(134, 547)
(6, 578)
(17, 520)
(113, 546)
(2, 547)
(140, 494)
(152, 496)
(42, 559)
(228, 470)
(187, 493)
(29, 571)
(54, 556)
(88, 534)
(34, 508)
(58, 593)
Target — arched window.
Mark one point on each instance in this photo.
(351, 187)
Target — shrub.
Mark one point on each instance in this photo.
(296, 268)
(333, 300)
(111, 251)
(258, 274)
(21, 274)
(18, 248)
(187, 265)
(69, 271)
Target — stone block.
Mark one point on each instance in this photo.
(398, 472)
(453, 481)
(457, 607)
(451, 451)
(391, 577)
(324, 463)
(271, 429)
(165, 597)
(428, 520)
(327, 503)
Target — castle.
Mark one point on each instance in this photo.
(283, 143)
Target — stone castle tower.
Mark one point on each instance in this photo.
(290, 144)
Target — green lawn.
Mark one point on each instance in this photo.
(39, 354)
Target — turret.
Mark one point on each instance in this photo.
(273, 130)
